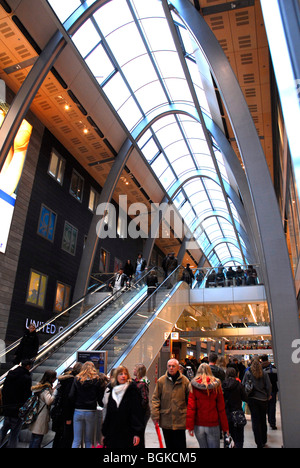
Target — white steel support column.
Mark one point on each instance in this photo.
(272, 248)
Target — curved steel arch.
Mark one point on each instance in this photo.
(226, 240)
(217, 214)
(246, 212)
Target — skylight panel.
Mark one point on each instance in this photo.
(150, 95)
(178, 90)
(158, 35)
(129, 48)
(64, 9)
(142, 9)
(86, 38)
(169, 64)
(183, 165)
(100, 64)
(150, 149)
(167, 178)
(176, 150)
(139, 71)
(112, 15)
(160, 165)
(130, 113)
(117, 91)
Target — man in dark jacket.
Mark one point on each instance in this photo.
(16, 390)
(272, 373)
(216, 370)
(29, 345)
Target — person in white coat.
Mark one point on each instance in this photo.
(40, 426)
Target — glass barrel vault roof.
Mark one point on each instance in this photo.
(130, 49)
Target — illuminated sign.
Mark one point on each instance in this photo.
(10, 176)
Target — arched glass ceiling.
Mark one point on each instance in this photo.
(129, 47)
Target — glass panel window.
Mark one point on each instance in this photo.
(112, 16)
(117, 91)
(176, 150)
(132, 72)
(159, 165)
(69, 238)
(86, 38)
(62, 297)
(64, 9)
(142, 9)
(178, 90)
(167, 178)
(104, 261)
(36, 289)
(76, 188)
(93, 200)
(130, 113)
(47, 223)
(169, 64)
(56, 167)
(183, 165)
(150, 150)
(161, 41)
(100, 64)
(126, 44)
(150, 96)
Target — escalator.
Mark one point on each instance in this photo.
(80, 326)
(131, 328)
(113, 329)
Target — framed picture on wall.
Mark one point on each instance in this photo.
(117, 264)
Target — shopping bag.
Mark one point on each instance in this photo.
(161, 445)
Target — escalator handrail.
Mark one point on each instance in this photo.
(149, 320)
(77, 323)
(53, 343)
(13, 345)
(80, 321)
(146, 325)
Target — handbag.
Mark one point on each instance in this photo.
(249, 386)
(238, 418)
(29, 412)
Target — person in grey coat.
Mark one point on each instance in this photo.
(258, 401)
(40, 426)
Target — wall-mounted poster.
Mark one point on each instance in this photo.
(10, 176)
(99, 358)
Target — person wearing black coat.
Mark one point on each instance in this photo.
(16, 390)
(152, 283)
(129, 271)
(62, 410)
(29, 345)
(234, 395)
(123, 424)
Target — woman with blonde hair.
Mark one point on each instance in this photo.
(206, 409)
(87, 390)
(258, 398)
(123, 424)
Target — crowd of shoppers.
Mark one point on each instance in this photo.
(208, 403)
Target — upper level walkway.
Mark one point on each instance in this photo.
(226, 295)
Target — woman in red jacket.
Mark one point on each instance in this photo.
(206, 409)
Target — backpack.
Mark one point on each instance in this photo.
(29, 412)
(189, 373)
